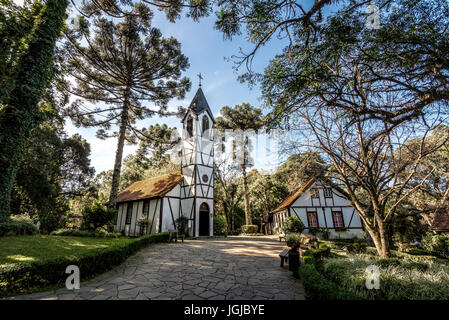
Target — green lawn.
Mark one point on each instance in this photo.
(38, 248)
(34, 263)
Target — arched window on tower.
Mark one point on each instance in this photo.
(189, 126)
(205, 125)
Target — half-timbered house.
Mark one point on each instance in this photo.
(318, 205)
(188, 193)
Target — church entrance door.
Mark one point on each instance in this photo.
(204, 219)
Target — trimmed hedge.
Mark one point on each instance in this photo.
(417, 252)
(19, 278)
(318, 287)
(85, 233)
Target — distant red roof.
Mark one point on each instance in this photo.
(440, 222)
(294, 195)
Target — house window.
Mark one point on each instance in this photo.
(337, 216)
(189, 127)
(129, 213)
(314, 193)
(205, 125)
(328, 192)
(223, 141)
(146, 209)
(312, 219)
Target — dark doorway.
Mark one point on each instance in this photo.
(204, 219)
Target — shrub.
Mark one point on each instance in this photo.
(19, 278)
(248, 228)
(17, 226)
(357, 247)
(436, 243)
(318, 254)
(317, 287)
(325, 233)
(182, 225)
(417, 252)
(293, 240)
(221, 225)
(85, 233)
(96, 216)
(293, 225)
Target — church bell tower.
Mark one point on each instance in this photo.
(197, 166)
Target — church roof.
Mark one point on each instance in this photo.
(199, 104)
(295, 195)
(150, 188)
(440, 222)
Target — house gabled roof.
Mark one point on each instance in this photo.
(150, 188)
(440, 222)
(198, 105)
(295, 195)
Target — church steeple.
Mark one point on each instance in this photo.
(198, 105)
(197, 166)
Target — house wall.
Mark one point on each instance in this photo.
(171, 209)
(133, 229)
(324, 207)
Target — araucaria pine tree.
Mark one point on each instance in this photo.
(127, 72)
(242, 119)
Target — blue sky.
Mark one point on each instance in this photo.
(207, 52)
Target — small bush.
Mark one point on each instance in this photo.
(293, 240)
(357, 247)
(436, 244)
(17, 226)
(248, 228)
(293, 225)
(182, 224)
(221, 225)
(97, 216)
(318, 254)
(85, 233)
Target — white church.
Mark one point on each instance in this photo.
(188, 193)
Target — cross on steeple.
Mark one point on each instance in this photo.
(200, 77)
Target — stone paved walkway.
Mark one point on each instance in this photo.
(233, 268)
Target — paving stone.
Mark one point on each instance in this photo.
(207, 294)
(216, 269)
(126, 287)
(130, 293)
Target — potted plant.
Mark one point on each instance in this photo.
(143, 225)
(182, 224)
(293, 240)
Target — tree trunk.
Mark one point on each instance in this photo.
(248, 219)
(20, 115)
(383, 240)
(379, 240)
(118, 157)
